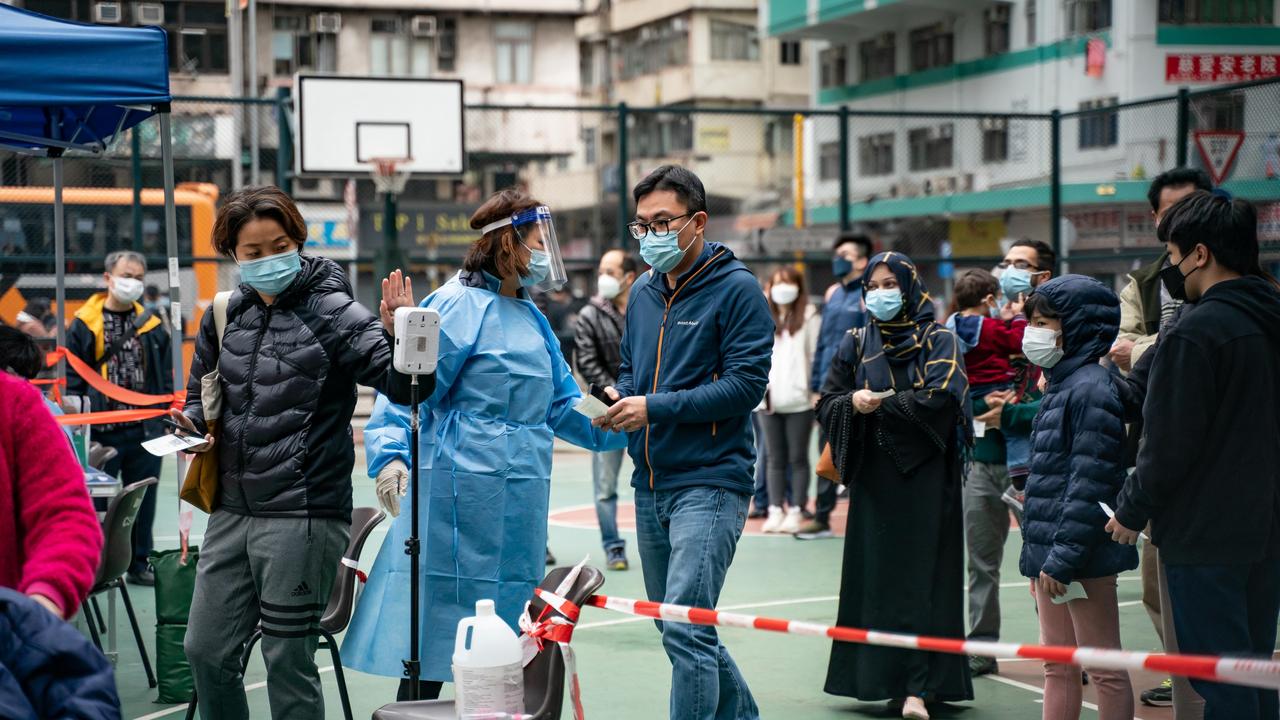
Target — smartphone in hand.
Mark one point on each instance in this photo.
(598, 393)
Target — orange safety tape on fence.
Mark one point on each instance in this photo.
(111, 390)
(109, 416)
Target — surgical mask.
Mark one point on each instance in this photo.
(784, 293)
(272, 274)
(609, 286)
(1040, 345)
(841, 266)
(1174, 281)
(126, 289)
(885, 304)
(1014, 282)
(993, 310)
(663, 253)
(539, 267)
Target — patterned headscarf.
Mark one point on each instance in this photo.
(903, 335)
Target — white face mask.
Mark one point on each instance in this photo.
(1040, 345)
(784, 293)
(609, 286)
(125, 289)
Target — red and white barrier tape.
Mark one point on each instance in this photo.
(1238, 671)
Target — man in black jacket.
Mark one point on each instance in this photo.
(1208, 474)
(598, 355)
(129, 346)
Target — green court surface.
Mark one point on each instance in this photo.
(624, 672)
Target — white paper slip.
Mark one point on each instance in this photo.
(979, 428)
(169, 444)
(591, 407)
(1075, 591)
(1112, 513)
(881, 395)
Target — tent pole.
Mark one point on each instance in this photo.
(171, 249)
(255, 110)
(60, 259)
(235, 53)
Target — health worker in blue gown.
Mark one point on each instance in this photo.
(503, 393)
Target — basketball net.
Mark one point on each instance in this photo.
(387, 178)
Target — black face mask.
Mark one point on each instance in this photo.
(1175, 282)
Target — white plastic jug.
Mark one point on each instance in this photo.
(487, 672)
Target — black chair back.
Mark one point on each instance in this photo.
(343, 597)
(544, 676)
(117, 531)
(100, 455)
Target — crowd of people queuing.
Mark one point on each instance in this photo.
(1045, 395)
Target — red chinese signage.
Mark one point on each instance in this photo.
(1210, 67)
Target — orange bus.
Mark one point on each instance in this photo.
(98, 221)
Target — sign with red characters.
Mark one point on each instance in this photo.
(1213, 67)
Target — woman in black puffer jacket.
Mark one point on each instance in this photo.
(294, 347)
(1077, 462)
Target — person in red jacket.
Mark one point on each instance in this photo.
(50, 539)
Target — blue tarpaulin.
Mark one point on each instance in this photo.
(66, 84)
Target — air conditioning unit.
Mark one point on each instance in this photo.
(944, 131)
(316, 189)
(148, 13)
(967, 182)
(106, 12)
(423, 26)
(326, 23)
(994, 123)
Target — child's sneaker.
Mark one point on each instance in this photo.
(774, 523)
(791, 523)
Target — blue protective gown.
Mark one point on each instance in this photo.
(502, 392)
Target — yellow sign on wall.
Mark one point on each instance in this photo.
(713, 139)
(976, 238)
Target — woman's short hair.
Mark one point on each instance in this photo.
(497, 251)
(254, 203)
(20, 353)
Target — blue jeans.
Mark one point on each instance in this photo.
(1228, 610)
(687, 540)
(604, 473)
(761, 497)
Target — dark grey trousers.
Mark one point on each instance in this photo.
(277, 571)
(986, 528)
(788, 437)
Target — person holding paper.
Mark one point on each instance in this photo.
(1077, 462)
(896, 407)
(502, 394)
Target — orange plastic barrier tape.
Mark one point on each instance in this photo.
(111, 390)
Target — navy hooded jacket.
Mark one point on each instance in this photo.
(701, 354)
(48, 669)
(1077, 444)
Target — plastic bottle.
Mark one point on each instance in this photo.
(488, 674)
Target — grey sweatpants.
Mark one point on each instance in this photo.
(277, 571)
(986, 528)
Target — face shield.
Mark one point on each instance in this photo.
(537, 232)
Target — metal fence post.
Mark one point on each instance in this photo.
(1184, 124)
(284, 150)
(135, 155)
(845, 159)
(1055, 185)
(624, 215)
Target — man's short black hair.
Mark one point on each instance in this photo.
(19, 353)
(678, 180)
(862, 241)
(1174, 178)
(1228, 228)
(1047, 257)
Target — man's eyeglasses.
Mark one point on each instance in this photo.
(660, 228)
(1019, 264)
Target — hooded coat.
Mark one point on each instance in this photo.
(1077, 444)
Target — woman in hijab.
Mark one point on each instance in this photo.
(895, 407)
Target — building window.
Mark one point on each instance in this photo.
(834, 67)
(649, 49)
(660, 135)
(875, 154)
(1217, 12)
(997, 27)
(1087, 16)
(447, 45)
(1031, 22)
(995, 139)
(931, 47)
(930, 147)
(829, 161)
(779, 137)
(790, 51)
(1219, 112)
(513, 51)
(734, 42)
(295, 48)
(396, 53)
(197, 37)
(1099, 129)
(589, 151)
(878, 57)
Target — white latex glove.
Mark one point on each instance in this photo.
(391, 485)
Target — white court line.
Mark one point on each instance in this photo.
(1129, 603)
(183, 707)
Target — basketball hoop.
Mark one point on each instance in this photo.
(386, 177)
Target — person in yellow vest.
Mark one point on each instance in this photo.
(130, 347)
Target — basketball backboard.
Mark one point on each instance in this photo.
(345, 122)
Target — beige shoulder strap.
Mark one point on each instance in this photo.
(220, 314)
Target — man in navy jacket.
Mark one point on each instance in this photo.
(695, 362)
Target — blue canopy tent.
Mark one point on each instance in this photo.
(69, 88)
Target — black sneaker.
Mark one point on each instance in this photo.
(979, 666)
(617, 559)
(814, 530)
(142, 577)
(1159, 696)
(551, 559)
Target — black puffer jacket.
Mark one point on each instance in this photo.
(289, 373)
(598, 342)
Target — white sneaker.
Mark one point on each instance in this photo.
(791, 523)
(774, 523)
